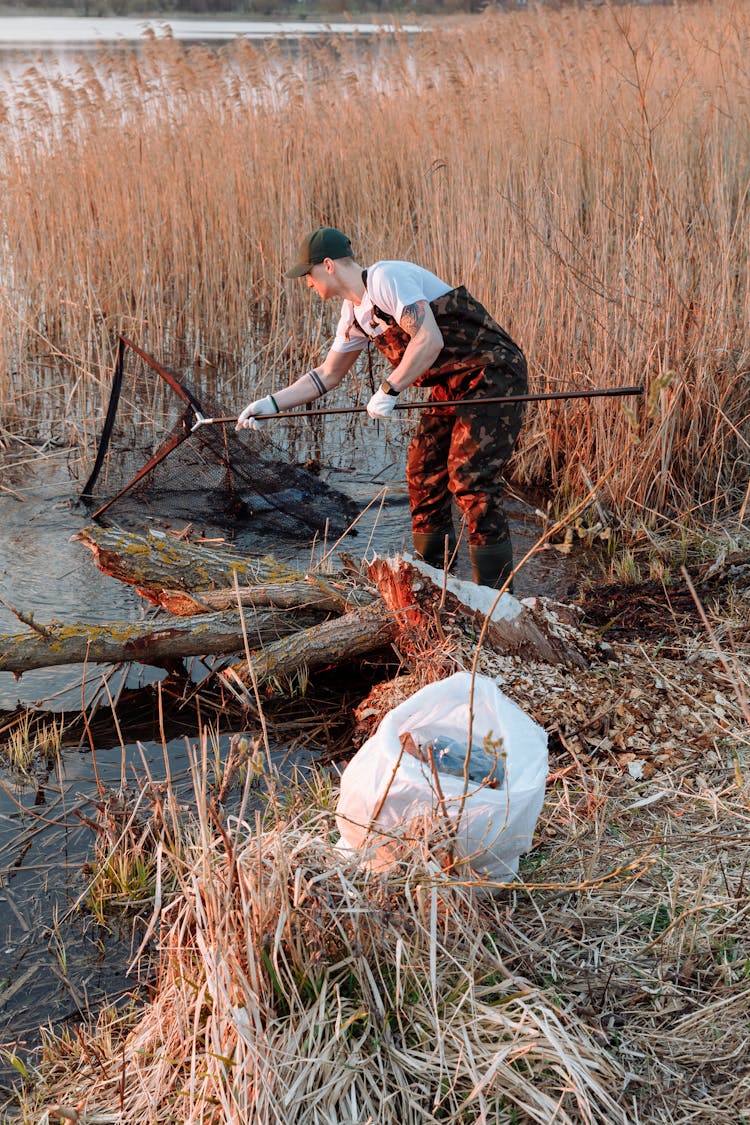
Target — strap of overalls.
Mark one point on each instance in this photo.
(384, 316)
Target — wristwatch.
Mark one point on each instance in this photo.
(388, 389)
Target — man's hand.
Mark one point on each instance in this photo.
(381, 405)
(248, 419)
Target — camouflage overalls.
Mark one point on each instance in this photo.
(462, 451)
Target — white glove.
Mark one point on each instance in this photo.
(247, 419)
(381, 405)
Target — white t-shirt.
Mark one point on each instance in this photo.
(391, 286)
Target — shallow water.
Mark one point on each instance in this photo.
(54, 962)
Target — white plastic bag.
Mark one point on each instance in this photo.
(496, 824)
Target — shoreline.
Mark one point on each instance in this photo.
(285, 16)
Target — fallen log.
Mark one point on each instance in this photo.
(308, 594)
(415, 609)
(419, 616)
(156, 562)
(158, 643)
(343, 638)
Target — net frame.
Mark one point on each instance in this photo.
(223, 446)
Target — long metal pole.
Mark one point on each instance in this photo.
(543, 396)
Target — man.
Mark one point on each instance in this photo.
(436, 337)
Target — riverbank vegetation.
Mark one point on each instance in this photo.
(584, 172)
(280, 978)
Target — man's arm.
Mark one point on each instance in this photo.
(425, 345)
(318, 381)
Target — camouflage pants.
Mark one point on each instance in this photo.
(461, 453)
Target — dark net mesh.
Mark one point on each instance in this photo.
(153, 464)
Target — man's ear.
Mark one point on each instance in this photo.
(329, 265)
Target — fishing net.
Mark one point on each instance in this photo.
(152, 463)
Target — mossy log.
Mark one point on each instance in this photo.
(158, 643)
(311, 593)
(153, 563)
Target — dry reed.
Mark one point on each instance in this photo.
(584, 172)
(293, 986)
(610, 984)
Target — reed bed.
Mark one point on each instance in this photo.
(584, 172)
(609, 985)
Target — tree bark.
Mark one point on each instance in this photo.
(343, 638)
(148, 643)
(153, 563)
(307, 594)
(540, 631)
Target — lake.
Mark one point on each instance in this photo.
(58, 40)
(35, 32)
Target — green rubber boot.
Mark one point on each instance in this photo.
(430, 547)
(492, 564)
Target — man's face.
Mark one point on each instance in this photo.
(320, 277)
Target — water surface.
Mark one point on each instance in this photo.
(57, 42)
(37, 31)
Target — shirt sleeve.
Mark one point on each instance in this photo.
(349, 336)
(395, 285)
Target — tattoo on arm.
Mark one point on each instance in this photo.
(412, 317)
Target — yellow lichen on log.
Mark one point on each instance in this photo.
(146, 643)
(154, 562)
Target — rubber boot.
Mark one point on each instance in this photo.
(492, 564)
(430, 547)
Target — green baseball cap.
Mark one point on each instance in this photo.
(325, 242)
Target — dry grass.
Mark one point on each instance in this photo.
(26, 741)
(610, 983)
(614, 985)
(293, 986)
(583, 171)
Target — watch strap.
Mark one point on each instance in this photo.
(388, 389)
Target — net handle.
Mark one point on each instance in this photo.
(428, 404)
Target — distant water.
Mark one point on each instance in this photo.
(57, 42)
(66, 31)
